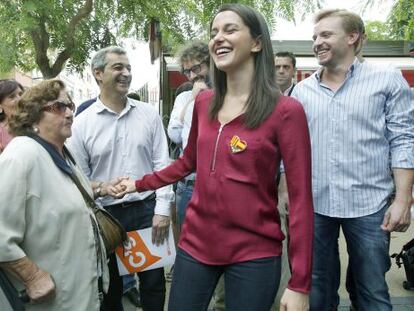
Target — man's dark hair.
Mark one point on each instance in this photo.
(289, 55)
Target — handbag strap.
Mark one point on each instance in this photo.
(88, 199)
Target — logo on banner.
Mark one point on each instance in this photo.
(136, 256)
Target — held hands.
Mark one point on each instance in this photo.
(294, 301)
(112, 187)
(124, 186)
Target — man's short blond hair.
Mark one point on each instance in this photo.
(351, 22)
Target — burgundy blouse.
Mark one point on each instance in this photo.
(232, 216)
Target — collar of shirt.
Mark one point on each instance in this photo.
(356, 63)
(101, 107)
(287, 91)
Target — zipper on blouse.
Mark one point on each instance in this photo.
(213, 165)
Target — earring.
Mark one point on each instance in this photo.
(36, 129)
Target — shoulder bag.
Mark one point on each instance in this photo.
(113, 233)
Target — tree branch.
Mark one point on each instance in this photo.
(70, 39)
(40, 39)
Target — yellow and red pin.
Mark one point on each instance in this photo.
(237, 145)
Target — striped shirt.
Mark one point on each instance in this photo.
(358, 134)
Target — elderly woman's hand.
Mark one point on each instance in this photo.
(40, 287)
(39, 283)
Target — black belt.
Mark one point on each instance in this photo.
(152, 196)
(188, 182)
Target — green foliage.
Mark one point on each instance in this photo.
(53, 34)
(401, 20)
(377, 30)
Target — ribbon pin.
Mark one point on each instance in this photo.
(237, 145)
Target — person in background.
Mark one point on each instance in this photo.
(285, 69)
(119, 136)
(285, 65)
(194, 61)
(10, 93)
(175, 150)
(361, 122)
(50, 241)
(85, 105)
(240, 132)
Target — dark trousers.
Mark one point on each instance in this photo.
(249, 285)
(152, 282)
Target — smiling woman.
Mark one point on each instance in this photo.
(50, 240)
(240, 131)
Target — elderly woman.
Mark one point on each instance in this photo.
(50, 242)
(10, 92)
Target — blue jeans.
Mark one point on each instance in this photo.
(368, 250)
(249, 285)
(182, 196)
(128, 282)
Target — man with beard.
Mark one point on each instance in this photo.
(361, 122)
(194, 61)
(119, 136)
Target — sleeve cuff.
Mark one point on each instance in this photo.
(404, 159)
(162, 208)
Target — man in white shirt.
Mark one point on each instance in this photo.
(119, 136)
(194, 61)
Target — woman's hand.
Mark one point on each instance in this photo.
(294, 301)
(39, 283)
(40, 287)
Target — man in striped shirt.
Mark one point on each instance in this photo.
(361, 122)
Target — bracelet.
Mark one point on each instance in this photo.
(98, 189)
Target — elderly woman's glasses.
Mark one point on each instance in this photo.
(59, 106)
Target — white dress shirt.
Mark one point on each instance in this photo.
(107, 145)
(179, 130)
(176, 125)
